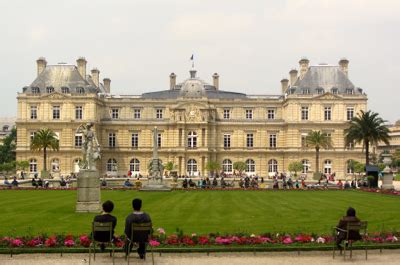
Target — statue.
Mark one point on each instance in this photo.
(156, 167)
(90, 146)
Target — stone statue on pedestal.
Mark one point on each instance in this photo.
(90, 146)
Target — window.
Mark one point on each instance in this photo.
(114, 113)
(78, 140)
(55, 165)
(35, 90)
(111, 140)
(80, 90)
(78, 112)
(250, 166)
(306, 165)
(320, 91)
(249, 140)
(159, 140)
(329, 135)
(350, 114)
(33, 112)
(327, 166)
(271, 114)
(328, 113)
(50, 89)
(272, 166)
(5, 128)
(33, 166)
(306, 91)
(249, 114)
(32, 135)
(112, 165)
(304, 113)
(304, 140)
(227, 114)
(134, 165)
(56, 112)
(135, 140)
(136, 113)
(191, 167)
(227, 166)
(349, 91)
(272, 141)
(159, 113)
(350, 167)
(227, 141)
(334, 91)
(65, 90)
(192, 140)
(350, 146)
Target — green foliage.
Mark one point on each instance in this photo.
(7, 149)
(359, 167)
(45, 139)
(318, 140)
(213, 166)
(381, 166)
(169, 166)
(239, 166)
(22, 164)
(8, 167)
(295, 167)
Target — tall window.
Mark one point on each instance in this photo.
(350, 114)
(50, 89)
(227, 114)
(114, 113)
(192, 140)
(306, 165)
(227, 141)
(33, 165)
(159, 113)
(134, 165)
(227, 166)
(55, 165)
(80, 90)
(249, 140)
(135, 140)
(78, 112)
(334, 91)
(349, 91)
(35, 90)
(249, 114)
(65, 90)
(111, 140)
(350, 146)
(136, 113)
(272, 140)
(306, 91)
(191, 167)
(272, 166)
(271, 114)
(304, 140)
(112, 165)
(327, 166)
(329, 135)
(250, 166)
(32, 135)
(33, 112)
(304, 113)
(56, 112)
(159, 140)
(328, 113)
(78, 140)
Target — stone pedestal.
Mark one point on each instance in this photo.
(155, 185)
(387, 182)
(88, 200)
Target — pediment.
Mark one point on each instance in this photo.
(54, 95)
(328, 96)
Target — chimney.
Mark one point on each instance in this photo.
(344, 65)
(216, 80)
(107, 85)
(41, 65)
(304, 62)
(293, 76)
(285, 85)
(81, 62)
(172, 81)
(95, 76)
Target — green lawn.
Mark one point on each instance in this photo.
(37, 211)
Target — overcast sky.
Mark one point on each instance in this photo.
(251, 44)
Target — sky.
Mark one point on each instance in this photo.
(251, 44)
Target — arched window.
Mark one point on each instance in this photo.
(250, 166)
(33, 165)
(191, 167)
(76, 166)
(227, 166)
(350, 166)
(50, 89)
(192, 140)
(334, 90)
(5, 128)
(55, 165)
(272, 166)
(306, 165)
(112, 165)
(327, 166)
(134, 165)
(35, 90)
(80, 90)
(65, 90)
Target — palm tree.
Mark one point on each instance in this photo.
(318, 140)
(45, 139)
(368, 128)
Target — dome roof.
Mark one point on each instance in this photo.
(194, 87)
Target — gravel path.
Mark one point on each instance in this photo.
(388, 257)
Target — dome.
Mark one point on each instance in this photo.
(194, 87)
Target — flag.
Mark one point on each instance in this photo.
(192, 57)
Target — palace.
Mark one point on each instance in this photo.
(197, 122)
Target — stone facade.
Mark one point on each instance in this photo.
(197, 121)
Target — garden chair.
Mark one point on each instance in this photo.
(140, 233)
(101, 227)
(348, 242)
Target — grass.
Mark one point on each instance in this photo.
(26, 212)
(397, 177)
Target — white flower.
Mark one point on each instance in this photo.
(395, 239)
(321, 240)
(252, 235)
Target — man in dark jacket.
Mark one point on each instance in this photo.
(105, 217)
(138, 217)
(353, 234)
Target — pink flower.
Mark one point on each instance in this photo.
(223, 241)
(154, 243)
(161, 231)
(51, 241)
(69, 243)
(321, 240)
(391, 238)
(287, 240)
(17, 242)
(35, 242)
(84, 241)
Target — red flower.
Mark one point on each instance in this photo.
(17, 242)
(84, 240)
(187, 241)
(51, 241)
(35, 242)
(203, 240)
(172, 240)
(69, 242)
(118, 242)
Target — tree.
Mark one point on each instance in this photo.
(169, 166)
(359, 167)
(295, 167)
(240, 166)
(7, 149)
(22, 165)
(318, 140)
(213, 166)
(367, 128)
(45, 139)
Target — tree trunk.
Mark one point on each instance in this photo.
(366, 152)
(317, 160)
(45, 159)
